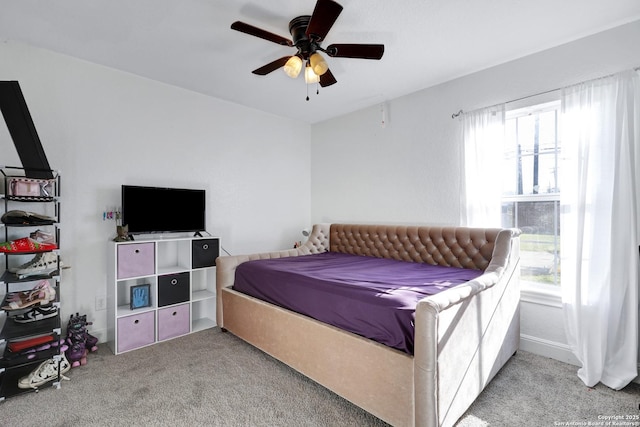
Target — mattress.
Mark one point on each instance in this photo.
(372, 297)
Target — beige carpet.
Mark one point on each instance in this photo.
(212, 378)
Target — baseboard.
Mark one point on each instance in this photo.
(553, 350)
(101, 334)
(546, 348)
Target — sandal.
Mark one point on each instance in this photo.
(21, 295)
(42, 294)
(42, 237)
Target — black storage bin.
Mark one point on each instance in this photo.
(204, 252)
(173, 289)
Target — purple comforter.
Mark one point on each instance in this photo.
(372, 297)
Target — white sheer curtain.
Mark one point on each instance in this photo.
(483, 134)
(599, 226)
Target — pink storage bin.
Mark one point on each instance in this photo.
(173, 321)
(136, 259)
(136, 331)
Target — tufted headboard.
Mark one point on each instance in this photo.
(461, 247)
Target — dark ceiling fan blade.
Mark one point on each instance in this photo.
(324, 15)
(258, 32)
(362, 51)
(271, 66)
(327, 79)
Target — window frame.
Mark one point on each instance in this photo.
(539, 293)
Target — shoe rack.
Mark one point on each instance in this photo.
(15, 365)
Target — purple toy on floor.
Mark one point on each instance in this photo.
(79, 340)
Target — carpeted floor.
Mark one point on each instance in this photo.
(532, 390)
(212, 378)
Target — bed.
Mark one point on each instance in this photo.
(462, 335)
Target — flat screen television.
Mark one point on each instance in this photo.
(162, 210)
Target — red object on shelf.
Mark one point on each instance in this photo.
(16, 346)
(26, 245)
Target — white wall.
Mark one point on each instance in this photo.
(103, 128)
(409, 171)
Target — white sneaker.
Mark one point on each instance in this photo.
(47, 371)
(43, 264)
(26, 264)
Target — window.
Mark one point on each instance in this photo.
(531, 191)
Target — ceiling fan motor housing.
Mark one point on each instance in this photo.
(298, 29)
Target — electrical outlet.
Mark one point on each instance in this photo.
(101, 302)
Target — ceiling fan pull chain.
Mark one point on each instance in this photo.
(317, 89)
(307, 92)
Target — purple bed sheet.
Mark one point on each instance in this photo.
(372, 297)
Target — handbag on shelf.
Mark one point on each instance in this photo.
(31, 188)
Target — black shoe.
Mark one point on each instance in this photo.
(36, 313)
(26, 218)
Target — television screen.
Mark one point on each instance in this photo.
(162, 210)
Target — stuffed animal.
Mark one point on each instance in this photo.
(123, 234)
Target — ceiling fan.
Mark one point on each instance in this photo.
(308, 32)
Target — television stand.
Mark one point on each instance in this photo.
(180, 273)
(197, 234)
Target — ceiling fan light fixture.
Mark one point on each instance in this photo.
(293, 66)
(309, 75)
(318, 64)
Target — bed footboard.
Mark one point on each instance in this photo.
(465, 335)
(370, 375)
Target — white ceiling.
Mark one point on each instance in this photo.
(189, 43)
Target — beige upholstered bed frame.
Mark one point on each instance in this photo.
(463, 335)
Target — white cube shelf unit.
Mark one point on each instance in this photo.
(181, 275)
